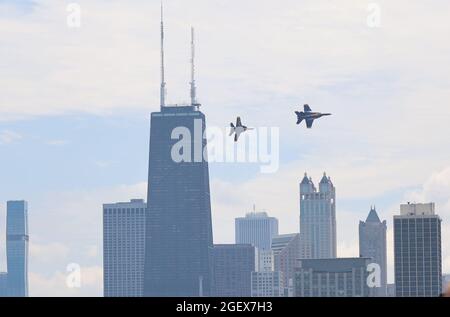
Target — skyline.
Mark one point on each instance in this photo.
(60, 138)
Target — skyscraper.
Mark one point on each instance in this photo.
(287, 251)
(417, 251)
(318, 217)
(256, 228)
(3, 284)
(178, 224)
(372, 244)
(123, 248)
(17, 248)
(342, 277)
(232, 265)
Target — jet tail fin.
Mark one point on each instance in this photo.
(232, 129)
(299, 117)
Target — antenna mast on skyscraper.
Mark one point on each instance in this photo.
(193, 87)
(163, 80)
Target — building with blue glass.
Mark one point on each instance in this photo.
(17, 248)
(3, 284)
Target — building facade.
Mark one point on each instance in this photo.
(372, 244)
(232, 266)
(267, 284)
(3, 284)
(17, 248)
(390, 290)
(287, 251)
(338, 277)
(178, 226)
(256, 228)
(123, 248)
(265, 260)
(318, 217)
(417, 251)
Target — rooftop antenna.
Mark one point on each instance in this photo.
(193, 87)
(163, 91)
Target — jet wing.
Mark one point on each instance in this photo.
(309, 123)
(307, 108)
(238, 122)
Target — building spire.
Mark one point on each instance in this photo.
(163, 79)
(193, 87)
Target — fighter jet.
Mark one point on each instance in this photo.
(238, 129)
(309, 116)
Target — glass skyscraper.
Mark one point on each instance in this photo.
(178, 226)
(417, 251)
(17, 248)
(318, 218)
(3, 284)
(123, 248)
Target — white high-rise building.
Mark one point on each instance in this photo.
(123, 248)
(318, 218)
(256, 228)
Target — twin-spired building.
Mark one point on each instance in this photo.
(318, 217)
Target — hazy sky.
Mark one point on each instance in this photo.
(75, 106)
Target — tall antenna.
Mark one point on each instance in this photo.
(193, 87)
(163, 79)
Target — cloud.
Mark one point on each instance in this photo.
(8, 137)
(312, 50)
(56, 285)
(48, 253)
(56, 142)
(387, 97)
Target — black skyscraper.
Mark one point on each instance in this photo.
(178, 221)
